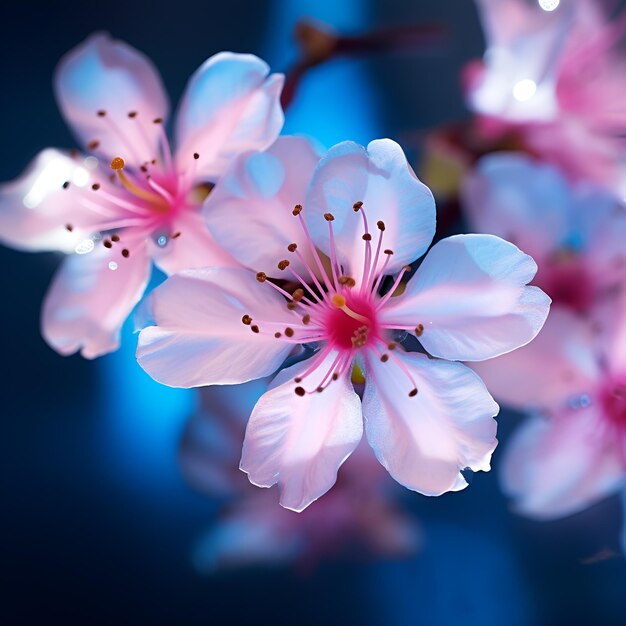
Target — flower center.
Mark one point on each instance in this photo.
(352, 323)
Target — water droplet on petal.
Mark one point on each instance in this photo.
(112, 265)
(162, 241)
(84, 247)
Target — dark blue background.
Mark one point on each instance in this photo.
(97, 524)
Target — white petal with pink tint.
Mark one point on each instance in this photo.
(194, 247)
(231, 105)
(558, 466)
(250, 211)
(198, 337)
(470, 295)
(382, 179)
(91, 296)
(104, 74)
(426, 440)
(300, 442)
(35, 209)
(557, 365)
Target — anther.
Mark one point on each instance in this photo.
(347, 280)
(357, 206)
(407, 268)
(143, 168)
(388, 251)
(419, 330)
(338, 300)
(254, 328)
(413, 393)
(289, 332)
(292, 247)
(291, 305)
(329, 217)
(196, 156)
(384, 358)
(297, 379)
(93, 145)
(380, 224)
(157, 120)
(298, 294)
(320, 389)
(95, 186)
(117, 163)
(115, 238)
(176, 235)
(306, 319)
(125, 253)
(66, 184)
(101, 113)
(392, 345)
(299, 391)
(297, 209)
(335, 376)
(367, 237)
(107, 244)
(261, 277)
(247, 320)
(278, 335)
(132, 114)
(283, 264)
(69, 227)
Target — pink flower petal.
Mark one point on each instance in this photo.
(35, 209)
(470, 295)
(560, 363)
(300, 442)
(381, 178)
(104, 74)
(198, 337)
(194, 247)
(91, 296)
(555, 467)
(426, 440)
(259, 192)
(231, 105)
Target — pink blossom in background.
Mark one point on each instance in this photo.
(134, 200)
(572, 450)
(365, 217)
(358, 518)
(555, 79)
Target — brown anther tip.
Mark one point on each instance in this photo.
(407, 268)
(247, 320)
(412, 393)
(320, 389)
(107, 244)
(388, 251)
(289, 332)
(299, 391)
(292, 247)
(298, 294)
(392, 345)
(297, 379)
(278, 335)
(284, 264)
(66, 184)
(335, 376)
(380, 224)
(196, 156)
(125, 253)
(115, 238)
(329, 217)
(254, 328)
(357, 206)
(176, 235)
(306, 319)
(93, 145)
(157, 120)
(132, 114)
(291, 305)
(143, 168)
(419, 330)
(384, 358)
(261, 277)
(367, 237)
(297, 209)
(153, 161)
(117, 163)
(95, 186)
(101, 113)
(69, 227)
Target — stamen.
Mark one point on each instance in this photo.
(261, 277)
(69, 227)
(95, 186)
(334, 265)
(393, 288)
(93, 145)
(284, 264)
(419, 330)
(402, 367)
(254, 328)
(247, 320)
(340, 302)
(125, 253)
(292, 247)
(66, 184)
(117, 164)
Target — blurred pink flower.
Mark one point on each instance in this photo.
(136, 200)
(358, 517)
(555, 78)
(572, 450)
(427, 419)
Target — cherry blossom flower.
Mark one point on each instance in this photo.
(427, 417)
(552, 76)
(358, 517)
(571, 450)
(134, 199)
